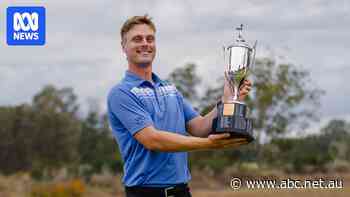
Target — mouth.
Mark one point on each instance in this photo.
(144, 52)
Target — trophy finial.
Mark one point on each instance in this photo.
(240, 29)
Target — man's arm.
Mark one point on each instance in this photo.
(201, 126)
(164, 141)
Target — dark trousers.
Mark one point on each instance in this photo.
(177, 191)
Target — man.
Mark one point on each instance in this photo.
(152, 122)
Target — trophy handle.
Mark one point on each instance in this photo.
(253, 55)
(224, 55)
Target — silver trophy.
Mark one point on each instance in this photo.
(239, 57)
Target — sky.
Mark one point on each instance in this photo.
(83, 51)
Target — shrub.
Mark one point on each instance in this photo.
(74, 188)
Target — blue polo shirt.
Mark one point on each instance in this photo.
(134, 104)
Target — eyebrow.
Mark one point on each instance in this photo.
(143, 35)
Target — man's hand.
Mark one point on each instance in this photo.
(224, 140)
(244, 89)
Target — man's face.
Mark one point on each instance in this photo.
(139, 45)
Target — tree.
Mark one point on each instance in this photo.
(57, 128)
(16, 142)
(186, 81)
(58, 100)
(311, 153)
(337, 129)
(211, 96)
(40, 137)
(283, 98)
(97, 148)
(337, 135)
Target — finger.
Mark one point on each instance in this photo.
(247, 89)
(231, 141)
(233, 145)
(247, 82)
(237, 140)
(243, 92)
(219, 136)
(245, 86)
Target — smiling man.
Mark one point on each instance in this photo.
(153, 124)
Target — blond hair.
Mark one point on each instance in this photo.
(136, 20)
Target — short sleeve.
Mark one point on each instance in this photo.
(129, 111)
(189, 111)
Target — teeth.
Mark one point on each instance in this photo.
(143, 52)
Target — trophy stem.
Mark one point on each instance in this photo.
(234, 88)
(234, 98)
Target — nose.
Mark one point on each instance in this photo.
(144, 41)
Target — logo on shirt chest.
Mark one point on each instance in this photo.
(147, 92)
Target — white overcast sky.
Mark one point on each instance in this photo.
(82, 45)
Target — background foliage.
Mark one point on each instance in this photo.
(47, 134)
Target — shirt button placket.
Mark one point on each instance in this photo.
(160, 98)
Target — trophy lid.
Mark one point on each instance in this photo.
(240, 37)
(240, 42)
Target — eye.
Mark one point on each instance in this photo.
(137, 39)
(150, 39)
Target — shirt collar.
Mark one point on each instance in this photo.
(132, 77)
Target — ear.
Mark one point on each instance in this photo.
(122, 43)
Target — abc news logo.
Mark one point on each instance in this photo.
(25, 25)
